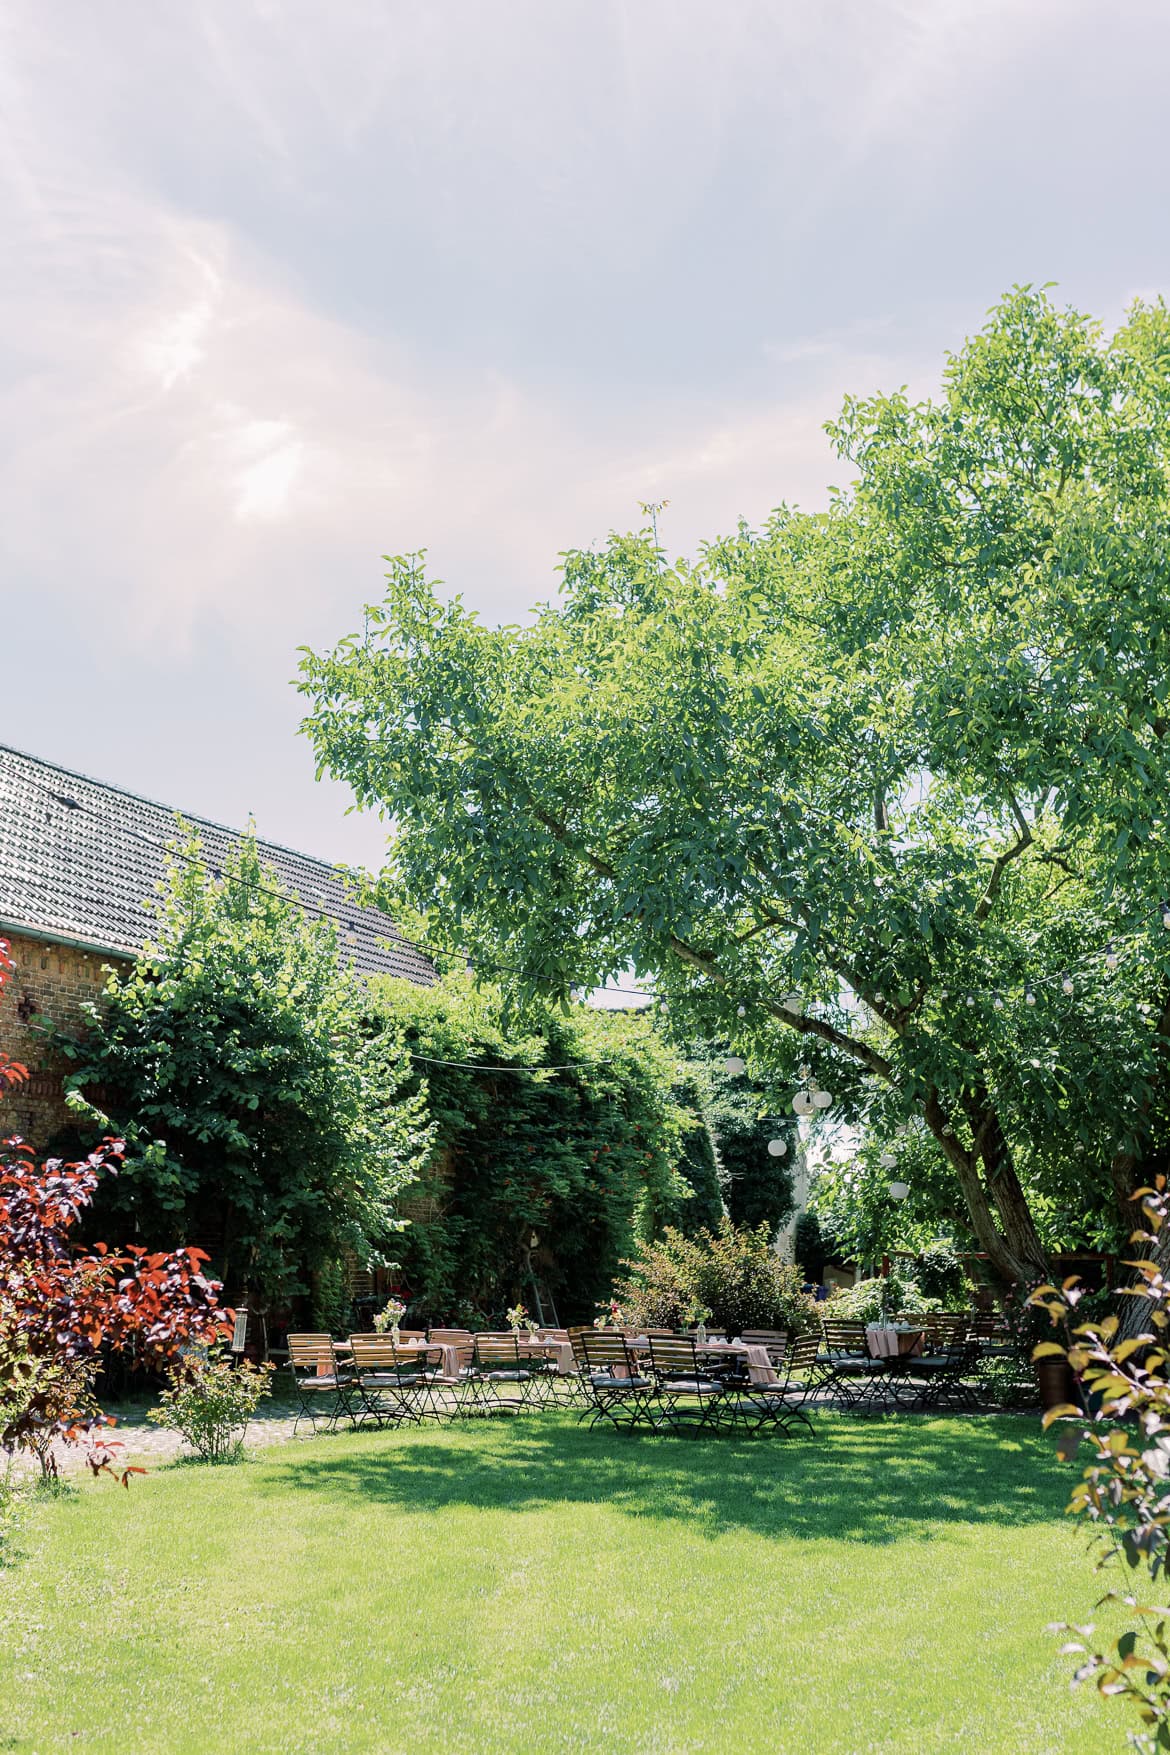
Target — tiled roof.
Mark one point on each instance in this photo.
(81, 861)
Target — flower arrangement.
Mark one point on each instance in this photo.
(390, 1316)
(610, 1316)
(519, 1318)
(697, 1313)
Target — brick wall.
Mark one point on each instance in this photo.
(49, 981)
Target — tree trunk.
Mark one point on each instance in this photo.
(1012, 1247)
(1011, 1203)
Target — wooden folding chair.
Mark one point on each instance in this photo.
(501, 1381)
(685, 1389)
(323, 1385)
(393, 1381)
(616, 1386)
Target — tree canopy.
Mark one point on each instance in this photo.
(879, 793)
(263, 1123)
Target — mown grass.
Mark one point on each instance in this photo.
(536, 1587)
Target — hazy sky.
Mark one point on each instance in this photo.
(289, 286)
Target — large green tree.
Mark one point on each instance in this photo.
(264, 1122)
(870, 790)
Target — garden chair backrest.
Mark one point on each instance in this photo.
(804, 1351)
(451, 1336)
(311, 1353)
(843, 1336)
(673, 1356)
(606, 1353)
(577, 1341)
(497, 1352)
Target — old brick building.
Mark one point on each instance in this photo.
(79, 864)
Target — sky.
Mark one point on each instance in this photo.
(285, 288)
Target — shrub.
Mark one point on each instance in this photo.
(1124, 1492)
(210, 1401)
(887, 1295)
(62, 1309)
(734, 1272)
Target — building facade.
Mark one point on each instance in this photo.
(80, 865)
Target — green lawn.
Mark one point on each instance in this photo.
(534, 1586)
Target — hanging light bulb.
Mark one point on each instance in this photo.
(1110, 956)
(1029, 996)
(899, 1190)
(351, 933)
(735, 1065)
(998, 1002)
(1066, 984)
(822, 1099)
(741, 1011)
(879, 999)
(970, 999)
(777, 1148)
(802, 1103)
(888, 1160)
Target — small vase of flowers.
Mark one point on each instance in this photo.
(518, 1318)
(610, 1315)
(389, 1317)
(697, 1314)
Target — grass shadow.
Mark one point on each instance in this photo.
(878, 1480)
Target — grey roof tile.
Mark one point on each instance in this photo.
(82, 861)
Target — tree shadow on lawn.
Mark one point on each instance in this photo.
(880, 1480)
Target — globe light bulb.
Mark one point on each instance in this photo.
(1066, 985)
(802, 1103)
(822, 1099)
(778, 1148)
(741, 1011)
(735, 1065)
(1029, 997)
(899, 1190)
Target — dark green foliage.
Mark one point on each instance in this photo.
(809, 1247)
(698, 1167)
(584, 1160)
(757, 1188)
(734, 1272)
(263, 1124)
(939, 1272)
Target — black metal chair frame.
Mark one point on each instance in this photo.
(684, 1389)
(760, 1407)
(394, 1382)
(617, 1389)
(311, 1385)
(498, 1367)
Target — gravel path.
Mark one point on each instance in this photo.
(151, 1445)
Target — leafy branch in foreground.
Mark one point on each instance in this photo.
(1124, 1493)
